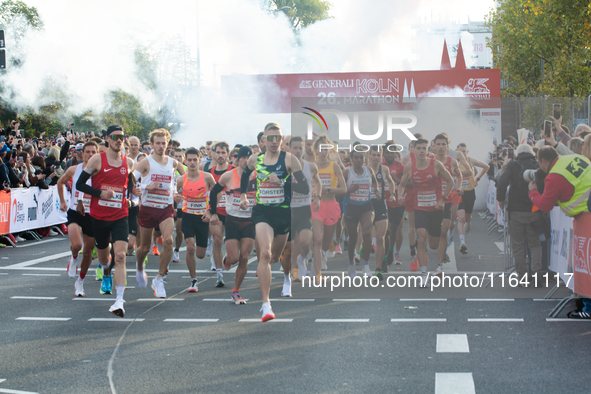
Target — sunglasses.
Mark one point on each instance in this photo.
(273, 138)
(235, 156)
(117, 137)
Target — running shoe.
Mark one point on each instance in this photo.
(225, 263)
(79, 289)
(175, 257)
(352, 271)
(379, 274)
(117, 308)
(155, 251)
(286, 292)
(267, 312)
(146, 260)
(398, 265)
(158, 287)
(323, 265)
(220, 281)
(2, 246)
(397, 258)
(338, 249)
(130, 252)
(366, 271)
(463, 249)
(141, 278)
(294, 275)
(438, 270)
(302, 270)
(414, 264)
(106, 286)
(237, 299)
(357, 258)
(99, 272)
(193, 288)
(330, 255)
(447, 259)
(159, 241)
(73, 266)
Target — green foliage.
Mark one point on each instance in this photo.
(303, 12)
(10, 10)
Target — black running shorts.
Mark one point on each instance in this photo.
(133, 212)
(380, 209)
(278, 218)
(194, 227)
(353, 213)
(429, 220)
(468, 199)
(238, 228)
(107, 231)
(85, 222)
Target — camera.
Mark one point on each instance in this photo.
(529, 175)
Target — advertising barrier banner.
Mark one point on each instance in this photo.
(581, 250)
(561, 246)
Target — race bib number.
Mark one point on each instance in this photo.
(114, 202)
(85, 200)
(325, 180)
(427, 198)
(236, 201)
(223, 200)
(195, 206)
(466, 183)
(270, 193)
(361, 194)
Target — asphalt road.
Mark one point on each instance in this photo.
(344, 340)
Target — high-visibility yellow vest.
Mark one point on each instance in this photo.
(576, 169)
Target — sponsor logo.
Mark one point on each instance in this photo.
(122, 170)
(108, 169)
(305, 85)
(476, 88)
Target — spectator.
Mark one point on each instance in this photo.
(31, 179)
(523, 224)
(550, 140)
(586, 149)
(39, 166)
(576, 145)
(582, 128)
(52, 161)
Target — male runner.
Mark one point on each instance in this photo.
(134, 148)
(240, 232)
(395, 208)
(426, 174)
(193, 192)
(156, 209)
(467, 205)
(79, 222)
(271, 215)
(178, 219)
(111, 177)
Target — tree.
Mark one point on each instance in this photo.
(17, 18)
(303, 12)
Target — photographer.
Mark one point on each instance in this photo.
(523, 224)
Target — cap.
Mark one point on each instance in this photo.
(79, 146)
(5, 148)
(113, 128)
(244, 151)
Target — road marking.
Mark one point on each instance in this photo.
(42, 242)
(191, 320)
(418, 320)
(3, 273)
(92, 299)
(501, 246)
(44, 318)
(342, 320)
(2, 380)
(452, 343)
(8, 391)
(452, 265)
(547, 299)
(422, 299)
(115, 319)
(490, 299)
(293, 299)
(32, 298)
(566, 319)
(269, 321)
(159, 299)
(37, 261)
(220, 299)
(496, 320)
(355, 299)
(459, 382)
(41, 274)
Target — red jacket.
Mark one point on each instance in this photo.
(556, 188)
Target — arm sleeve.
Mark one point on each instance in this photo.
(563, 150)
(245, 179)
(213, 197)
(302, 185)
(84, 188)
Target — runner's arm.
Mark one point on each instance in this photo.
(459, 156)
(341, 184)
(484, 166)
(404, 180)
(62, 181)
(245, 178)
(92, 167)
(217, 188)
(316, 180)
(443, 173)
(391, 185)
(296, 171)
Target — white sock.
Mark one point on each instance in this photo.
(286, 278)
(219, 271)
(120, 291)
(366, 263)
(373, 241)
(424, 269)
(462, 238)
(80, 280)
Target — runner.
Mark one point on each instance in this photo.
(79, 222)
(111, 177)
(240, 232)
(156, 209)
(469, 196)
(442, 155)
(457, 199)
(324, 220)
(216, 229)
(178, 217)
(395, 208)
(271, 215)
(380, 221)
(193, 191)
(359, 208)
(426, 173)
(134, 148)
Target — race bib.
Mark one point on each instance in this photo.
(325, 180)
(85, 200)
(427, 198)
(195, 206)
(114, 202)
(361, 194)
(236, 201)
(270, 193)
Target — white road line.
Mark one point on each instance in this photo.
(547, 299)
(270, 321)
(9, 391)
(341, 320)
(489, 299)
(422, 299)
(43, 242)
(44, 318)
(458, 383)
(37, 261)
(115, 319)
(496, 319)
(191, 320)
(501, 246)
(566, 319)
(419, 320)
(293, 299)
(452, 343)
(3, 273)
(92, 299)
(355, 299)
(220, 299)
(159, 299)
(41, 274)
(32, 298)
(2, 380)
